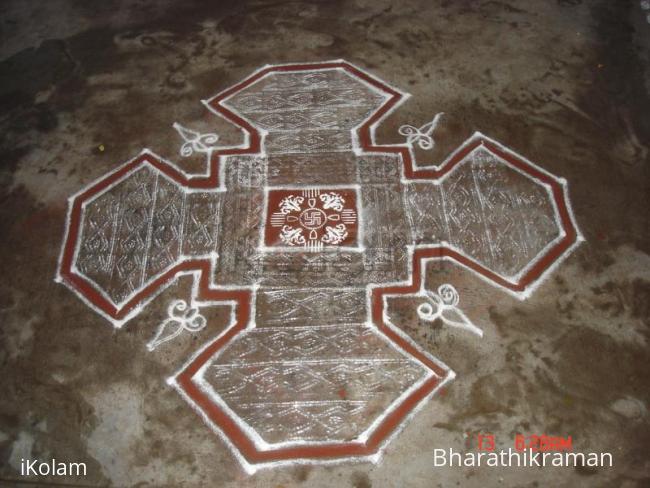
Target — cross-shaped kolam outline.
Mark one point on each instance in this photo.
(242, 299)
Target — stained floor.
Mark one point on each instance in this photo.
(84, 87)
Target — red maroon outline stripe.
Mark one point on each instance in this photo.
(242, 297)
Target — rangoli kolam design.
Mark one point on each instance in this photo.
(320, 224)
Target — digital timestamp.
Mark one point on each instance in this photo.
(535, 443)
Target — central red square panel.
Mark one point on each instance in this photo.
(311, 218)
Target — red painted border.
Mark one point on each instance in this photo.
(242, 297)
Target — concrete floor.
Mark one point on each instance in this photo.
(85, 86)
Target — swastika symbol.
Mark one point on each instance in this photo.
(313, 218)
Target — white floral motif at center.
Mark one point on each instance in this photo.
(302, 216)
